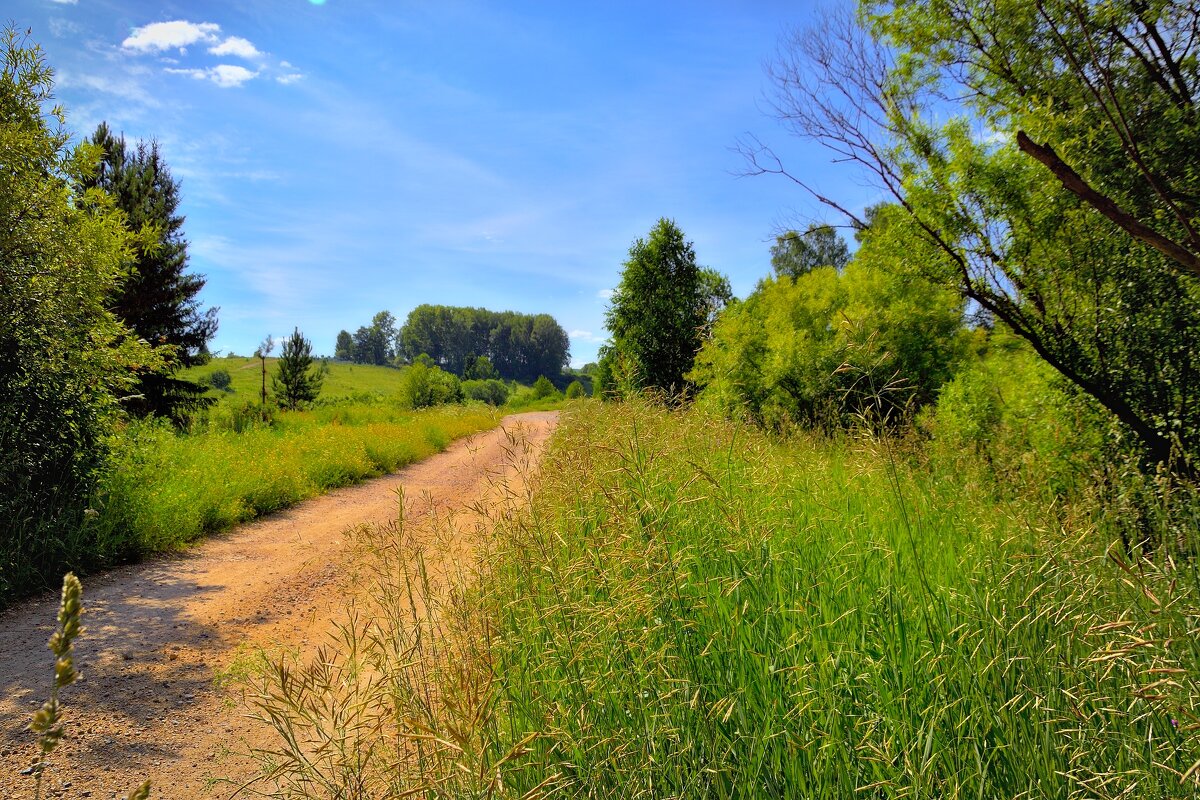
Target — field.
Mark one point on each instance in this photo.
(343, 380)
(692, 608)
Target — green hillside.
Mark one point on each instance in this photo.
(343, 379)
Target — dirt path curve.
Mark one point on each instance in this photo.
(159, 634)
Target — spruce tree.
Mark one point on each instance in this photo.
(296, 380)
(159, 299)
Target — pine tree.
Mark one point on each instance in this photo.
(296, 380)
(158, 302)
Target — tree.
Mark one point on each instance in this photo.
(795, 254)
(364, 351)
(658, 312)
(344, 349)
(65, 357)
(383, 338)
(875, 337)
(575, 390)
(1071, 219)
(297, 380)
(158, 301)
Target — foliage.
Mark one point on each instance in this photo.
(158, 301)
(64, 356)
(297, 380)
(657, 313)
(343, 350)
(826, 347)
(575, 390)
(1009, 420)
(542, 387)
(480, 368)
(795, 254)
(424, 386)
(519, 346)
(1071, 220)
(493, 392)
(219, 379)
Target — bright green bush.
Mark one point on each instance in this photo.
(543, 388)
(424, 386)
(575, 390)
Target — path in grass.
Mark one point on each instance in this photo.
(159, 634)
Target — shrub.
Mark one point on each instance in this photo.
(492, 392)
(426, 386)
(575, 390)
(221, 380)
(543, 388)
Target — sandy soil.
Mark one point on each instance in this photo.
(159, 635)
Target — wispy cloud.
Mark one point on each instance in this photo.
(159, 36)
(66, 2)
(224, 75)
(586, 336)
(605, 294)
(236, 46)
(290, 78)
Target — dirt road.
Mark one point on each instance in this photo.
(160, 634)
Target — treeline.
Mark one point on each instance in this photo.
(472, 343)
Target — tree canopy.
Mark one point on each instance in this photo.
(518, 346)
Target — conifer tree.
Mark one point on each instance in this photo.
(159, 299)
(297, 380)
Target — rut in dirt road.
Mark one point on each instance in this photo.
(159, 634)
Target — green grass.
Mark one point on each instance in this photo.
(343, 380)
(692, 609)
(168, 489)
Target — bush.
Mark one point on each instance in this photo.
(492, 392)
(221, 380)
(426, 386)
(543, 388)
(575, 390)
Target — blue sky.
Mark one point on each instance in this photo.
(350, 156)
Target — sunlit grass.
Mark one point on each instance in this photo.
(168, 489)
(691, 608)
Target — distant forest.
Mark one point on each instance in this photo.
(463, 341)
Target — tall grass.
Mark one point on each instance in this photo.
(168, 489)
(164, 488)
(692, 609)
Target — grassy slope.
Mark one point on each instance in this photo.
(343, 380)
(692, 609)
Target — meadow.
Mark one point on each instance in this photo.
(694, 608)
(342, 380)
(164, 488)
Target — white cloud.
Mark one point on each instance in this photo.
(289, 78)
(605, 294)
(286, 65)
(223, 75)
(236, 46)
(159, 36)
(585, 336)
(65, 2)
